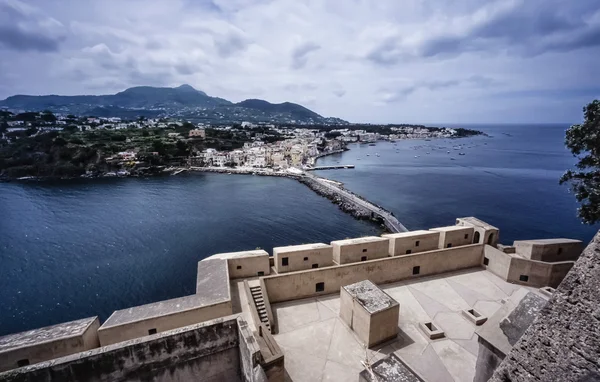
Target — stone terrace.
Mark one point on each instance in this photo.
(320, 347)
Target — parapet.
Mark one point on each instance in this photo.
(223, 349)
(212, 300)
(549, 250)
(301, 257)
(359, 249)
(38, 345)
(245, 263)
(406, 243)
(454, 236)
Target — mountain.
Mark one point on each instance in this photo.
(182, 102)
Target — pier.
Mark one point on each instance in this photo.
(389, 220)
(336, 167)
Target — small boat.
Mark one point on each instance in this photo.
(448, 152)
(368, 155)
(377, 154)
(427, 153)
(461, 154)
(452, 158)
(416, 156)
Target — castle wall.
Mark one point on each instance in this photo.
(412, 242)
(204, 352)
(297, 285)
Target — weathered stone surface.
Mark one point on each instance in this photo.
(563, 344)
(389, 369)
(514, 325)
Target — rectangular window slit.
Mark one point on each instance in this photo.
(151, 331)
(363, 258)
(417, 243)
(524, 278)
(408, 251)
(319, 287)
(486, 261)
(284, 261)
(416, 270)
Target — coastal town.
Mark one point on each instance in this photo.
(95, 146)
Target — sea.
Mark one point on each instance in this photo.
(81, 248)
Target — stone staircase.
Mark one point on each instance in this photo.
(259, 302)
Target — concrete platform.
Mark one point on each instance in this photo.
(320, 347)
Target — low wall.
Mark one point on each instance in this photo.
(297, 285)
(118, 333)
(413, 241)
(353, 250)
(522, 271)
(204, 352)
(44, 349)
(317, 255)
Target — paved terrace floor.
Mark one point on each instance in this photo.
(318, 346)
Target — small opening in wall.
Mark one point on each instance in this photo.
(416, 270)
(151, 331)
(417, 243)
(22, 362)
(315, 265)
(261, 273)
(466, 236)
(284, 261)
(364, 250)
(524, 278)
(363, 258)
(449, 245)
(559, 251)
(474, 313)
(486, 261)
(306, 259)
(408, 251)
(431, 326)
(239, 267)
(319, 287)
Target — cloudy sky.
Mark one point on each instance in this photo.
(422, 61)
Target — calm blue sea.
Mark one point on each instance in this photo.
(81, 248)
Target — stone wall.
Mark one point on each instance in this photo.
(204, 352)
(297, 285)
(563, 344)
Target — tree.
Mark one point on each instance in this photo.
(584, 142)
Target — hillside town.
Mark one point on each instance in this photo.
(31, 143)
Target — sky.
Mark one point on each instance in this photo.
(379, 61)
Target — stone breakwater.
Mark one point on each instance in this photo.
(347, 201)
(344, 203)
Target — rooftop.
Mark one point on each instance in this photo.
(408, 234)
(370, 296)
(450, 228)
(301, 247)
(233, 255)
(319, 346)
(359, 240)
(478, 223)
(548, 241)
(46, 334)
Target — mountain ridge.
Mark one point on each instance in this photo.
(183, 101)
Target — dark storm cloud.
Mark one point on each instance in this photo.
(22, 28)
(526, 28)
(474, 81)
(11, 37)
